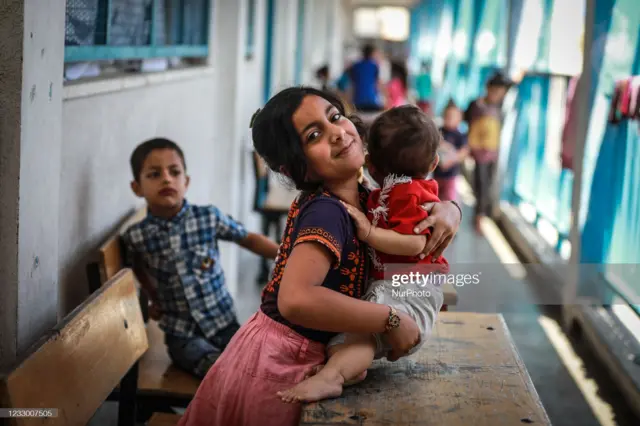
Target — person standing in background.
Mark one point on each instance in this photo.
(484, 116)
(452, 151)
(366, 82)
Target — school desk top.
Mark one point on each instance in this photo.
(469, 373)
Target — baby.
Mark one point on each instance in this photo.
(402, 146)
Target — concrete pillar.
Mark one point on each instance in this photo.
(31, 67)
(570, 290)
(228, 53)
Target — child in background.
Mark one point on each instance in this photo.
(402, 147)
(397, 88)
(174, 254)
(423, 82)
(452, 152)
(484, 116)
(322, 74)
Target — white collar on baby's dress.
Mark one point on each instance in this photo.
(382, 209)
(389, 182)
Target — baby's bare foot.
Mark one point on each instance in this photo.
(325, 384)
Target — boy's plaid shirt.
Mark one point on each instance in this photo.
(181, 255)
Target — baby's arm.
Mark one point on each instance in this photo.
(386, 240)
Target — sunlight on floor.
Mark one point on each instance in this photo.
(588, 387)
(465, 192)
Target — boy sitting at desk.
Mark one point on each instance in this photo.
(175, 256)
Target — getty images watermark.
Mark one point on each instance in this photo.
(418, 284)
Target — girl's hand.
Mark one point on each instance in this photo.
(445, 219)
(363, 225)
(403, 338)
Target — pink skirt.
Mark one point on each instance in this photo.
(263, 357)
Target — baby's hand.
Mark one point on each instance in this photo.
(363, 226)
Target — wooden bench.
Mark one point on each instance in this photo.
(164, 419)
(468, 373)
(160, 384)
(76, 365)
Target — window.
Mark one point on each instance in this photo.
(567, 31)
(529, 33)
(102, 30)
(388, 23)
(251, 22)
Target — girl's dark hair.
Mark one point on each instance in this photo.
(403, 141)
(276, 140)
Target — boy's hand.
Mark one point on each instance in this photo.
(260, 245)
(363, 225)
(154, 311)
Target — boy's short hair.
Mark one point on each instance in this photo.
(143, 150)
(403, 141)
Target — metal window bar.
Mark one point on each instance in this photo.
(97, 30)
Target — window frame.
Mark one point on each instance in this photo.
(106, 52)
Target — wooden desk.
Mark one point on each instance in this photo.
(468, 373)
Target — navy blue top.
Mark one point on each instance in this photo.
(321, 218)
(458, 140)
